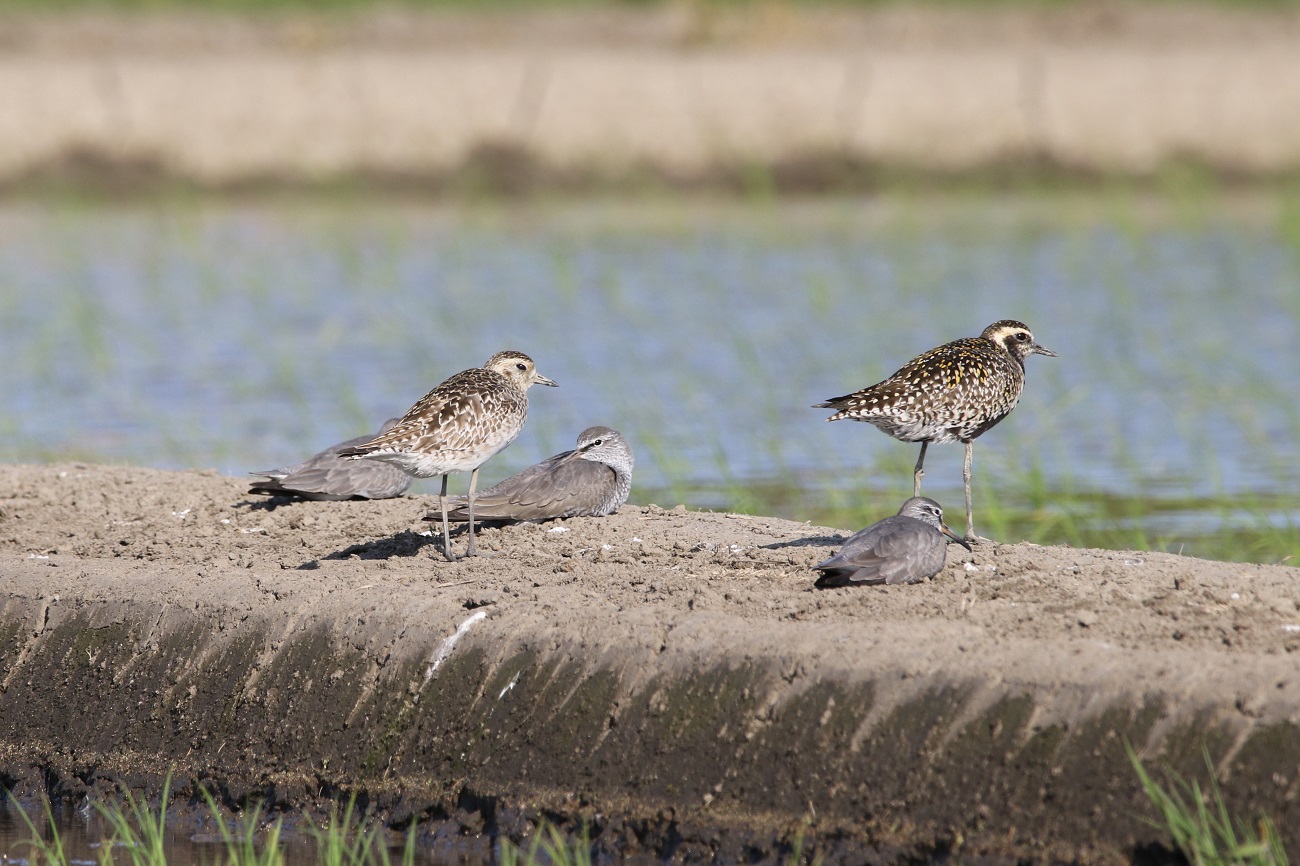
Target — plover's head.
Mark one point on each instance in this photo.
(1015, 339)
(518, 368)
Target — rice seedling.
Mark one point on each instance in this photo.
(1200, 825)
(137, 835)
(345, 840)
(47, 849)
(138, 830)
(339, 841)
(548, 847)
(383, 858)
(246, 844)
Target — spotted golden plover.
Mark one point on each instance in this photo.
(950, 394)
(592, 480)
(327, 476)
(459, 426)
(905, 548)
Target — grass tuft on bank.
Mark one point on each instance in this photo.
(1200, 825)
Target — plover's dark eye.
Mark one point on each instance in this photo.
(520, 366)
(1021, 337)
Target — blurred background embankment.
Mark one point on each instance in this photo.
(681, 93)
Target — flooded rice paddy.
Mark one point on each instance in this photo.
(242, 336)
(80, 835)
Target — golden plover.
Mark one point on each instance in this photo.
(953, 393)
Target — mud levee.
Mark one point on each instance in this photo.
(670, 677)
(687, 93)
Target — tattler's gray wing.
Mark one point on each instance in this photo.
(563, 487)
(592, 480)
(906, 548)
(327, 476)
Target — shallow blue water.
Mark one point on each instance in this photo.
(243, 337)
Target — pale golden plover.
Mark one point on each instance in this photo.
(459, 426)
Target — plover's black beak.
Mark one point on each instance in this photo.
(1036, 349)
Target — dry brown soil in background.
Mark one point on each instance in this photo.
(675, 26)
(683, 95)
(678, 680)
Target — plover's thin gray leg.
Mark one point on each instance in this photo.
(965, 476)
(473, 481)
(446, 524)
(919, 472)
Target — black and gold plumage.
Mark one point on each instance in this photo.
(954, 393)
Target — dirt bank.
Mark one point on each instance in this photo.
(690, 94)
(670, 677)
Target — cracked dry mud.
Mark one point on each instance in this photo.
(671, 677)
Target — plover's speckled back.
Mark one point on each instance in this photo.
(459, 426)
(950, 394)
(905, 548)
(327, 476)
(592, 480)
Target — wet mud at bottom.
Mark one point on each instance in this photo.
(463, 838)
(668, 679)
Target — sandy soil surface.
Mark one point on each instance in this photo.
(705, 655)
(755, 567)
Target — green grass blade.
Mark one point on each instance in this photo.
(1200, 825)
(51, 850)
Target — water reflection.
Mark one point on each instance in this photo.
(83, 835)
(241, 336)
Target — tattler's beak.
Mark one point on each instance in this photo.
(943, 527)
(575, 454)
(1037, 349)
